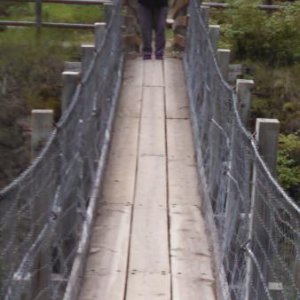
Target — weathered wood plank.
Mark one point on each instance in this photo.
(152, 134)
(149, 250)
(149, 270)
(192, 276)
(153, 102)
(152, 137)
(121, 165)
(125, 137)
(151, 183)
(145, 286)
(183, 188)
(176, 103)
(191, 258)
(120, 179)
(176, 95)
(153, 73)
(130, 102)
(179, 138)
(105, 274)
(134, 70)
(174, 76)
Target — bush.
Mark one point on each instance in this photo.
(257, 35)
(289, 164)
(29, 78)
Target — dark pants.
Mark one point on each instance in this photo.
(153, 18)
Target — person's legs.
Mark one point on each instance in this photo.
(146, 22)
(160, 16)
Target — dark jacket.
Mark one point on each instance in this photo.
(154, 3)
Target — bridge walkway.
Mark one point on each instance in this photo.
(149, 240)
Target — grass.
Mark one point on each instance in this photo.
(56, 13)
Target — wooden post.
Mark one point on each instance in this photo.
(267, 131)
(38, 15)
(100, 29)
(214, 34)
(74, 66)
(223, 60)
(132, 34)
(87, 53)
(243, 90)
(235, 70)
(41, 126)
(108, 9)
(70, 82)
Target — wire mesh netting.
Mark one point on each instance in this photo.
(42, 211)
(257, 224)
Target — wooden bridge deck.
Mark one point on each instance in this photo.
(149, 240)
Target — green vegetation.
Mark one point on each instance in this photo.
(30, 74)
(268, 45)
(52, 13)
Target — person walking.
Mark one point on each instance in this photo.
(152, 16)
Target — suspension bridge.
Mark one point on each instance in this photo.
(150, 186)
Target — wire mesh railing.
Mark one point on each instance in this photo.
(255, 225)
(42, 212)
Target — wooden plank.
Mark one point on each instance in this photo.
(107, 262)
(176, 103)
(130, 102)
(153, 102)
(152, 133)
(151, 183)
(153, 73)
(176, 96)
(183, 183)
(120, 178)
(152, 137)
(149, 251)
(145, 286)
(121, 166)
(125, 137)
(134, 71)
(174, 75)
(190, 255)
(180, 142)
